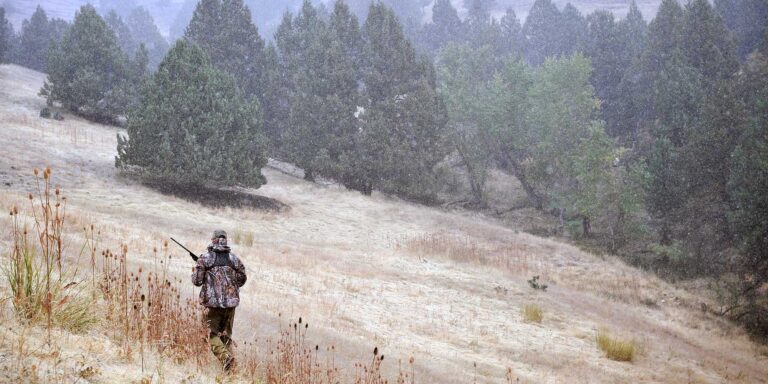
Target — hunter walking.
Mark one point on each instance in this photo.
(220, 274)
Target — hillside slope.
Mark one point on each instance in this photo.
(446, 288)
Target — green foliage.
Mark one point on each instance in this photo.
(467, 77)
(446, 27)
(193, 127)
(748, 188)
(122, 33)
(87, 72)
(543, 31)
(403, 130)
(6, 34)
(38, 33)
(145, 32)
(748, 19)
(224, 30)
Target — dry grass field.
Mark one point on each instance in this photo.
(445, 288)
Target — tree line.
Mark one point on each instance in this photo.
(647, 139)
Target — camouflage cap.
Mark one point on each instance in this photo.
(219, 233)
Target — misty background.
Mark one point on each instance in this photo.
(172, 16)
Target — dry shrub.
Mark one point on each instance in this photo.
(293, 359)
(41, 289)
(145, 307)
(532, 313)
(615, 348)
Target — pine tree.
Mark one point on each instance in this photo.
(144, 31)
(224, 30)
(193, 127)
(573, 31)
(307, 133)
(37, 35)
(512, 41)
(403, 132)
(542, 32)
(6, 33)
(87, 70)
(748, 19)
(633, 32)
(748, 189)
(123, 34)
(446, 27)
(709, 46)
(609, 60)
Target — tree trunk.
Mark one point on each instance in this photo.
(309, 175)
(513, 166)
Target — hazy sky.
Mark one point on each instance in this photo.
(165, 11)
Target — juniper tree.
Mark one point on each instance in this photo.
(632, 30)
(573, 31)
(512, 41)
(193, 127)
(6, 33)
(144, 31)
(122, 33)
(446, 27)
(608, 55)
(87, 72)
(304, 51)
(224, 30)
(748, 188)
(748, 19)
(542, 32)
(403, 133)
(37, 35)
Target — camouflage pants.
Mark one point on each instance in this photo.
(220, 323)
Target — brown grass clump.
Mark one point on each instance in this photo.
(614, 348)
(532, 313)
(41, 289)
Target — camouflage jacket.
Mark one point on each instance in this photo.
(221, 274)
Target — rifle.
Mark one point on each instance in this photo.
(192, 255)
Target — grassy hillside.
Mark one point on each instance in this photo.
(446, 288)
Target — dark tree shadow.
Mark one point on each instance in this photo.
(219, 198)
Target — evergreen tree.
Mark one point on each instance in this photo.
(512, 40)
(748, 19)
(37, 35)
(573, 31)
(224, 30)
(711, 137)
(542, 32)
(6, 34)
(144, 31)
(446, 27)
(609, 60)
(709, 46)
(87, 72)
(403, 132)
(182, 19)
(193, 127)
(306, 50)
(123, 34)
(633, 31)
(748, 188)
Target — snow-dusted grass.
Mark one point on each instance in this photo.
(443, 287)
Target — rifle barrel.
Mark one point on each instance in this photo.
(194, 257)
